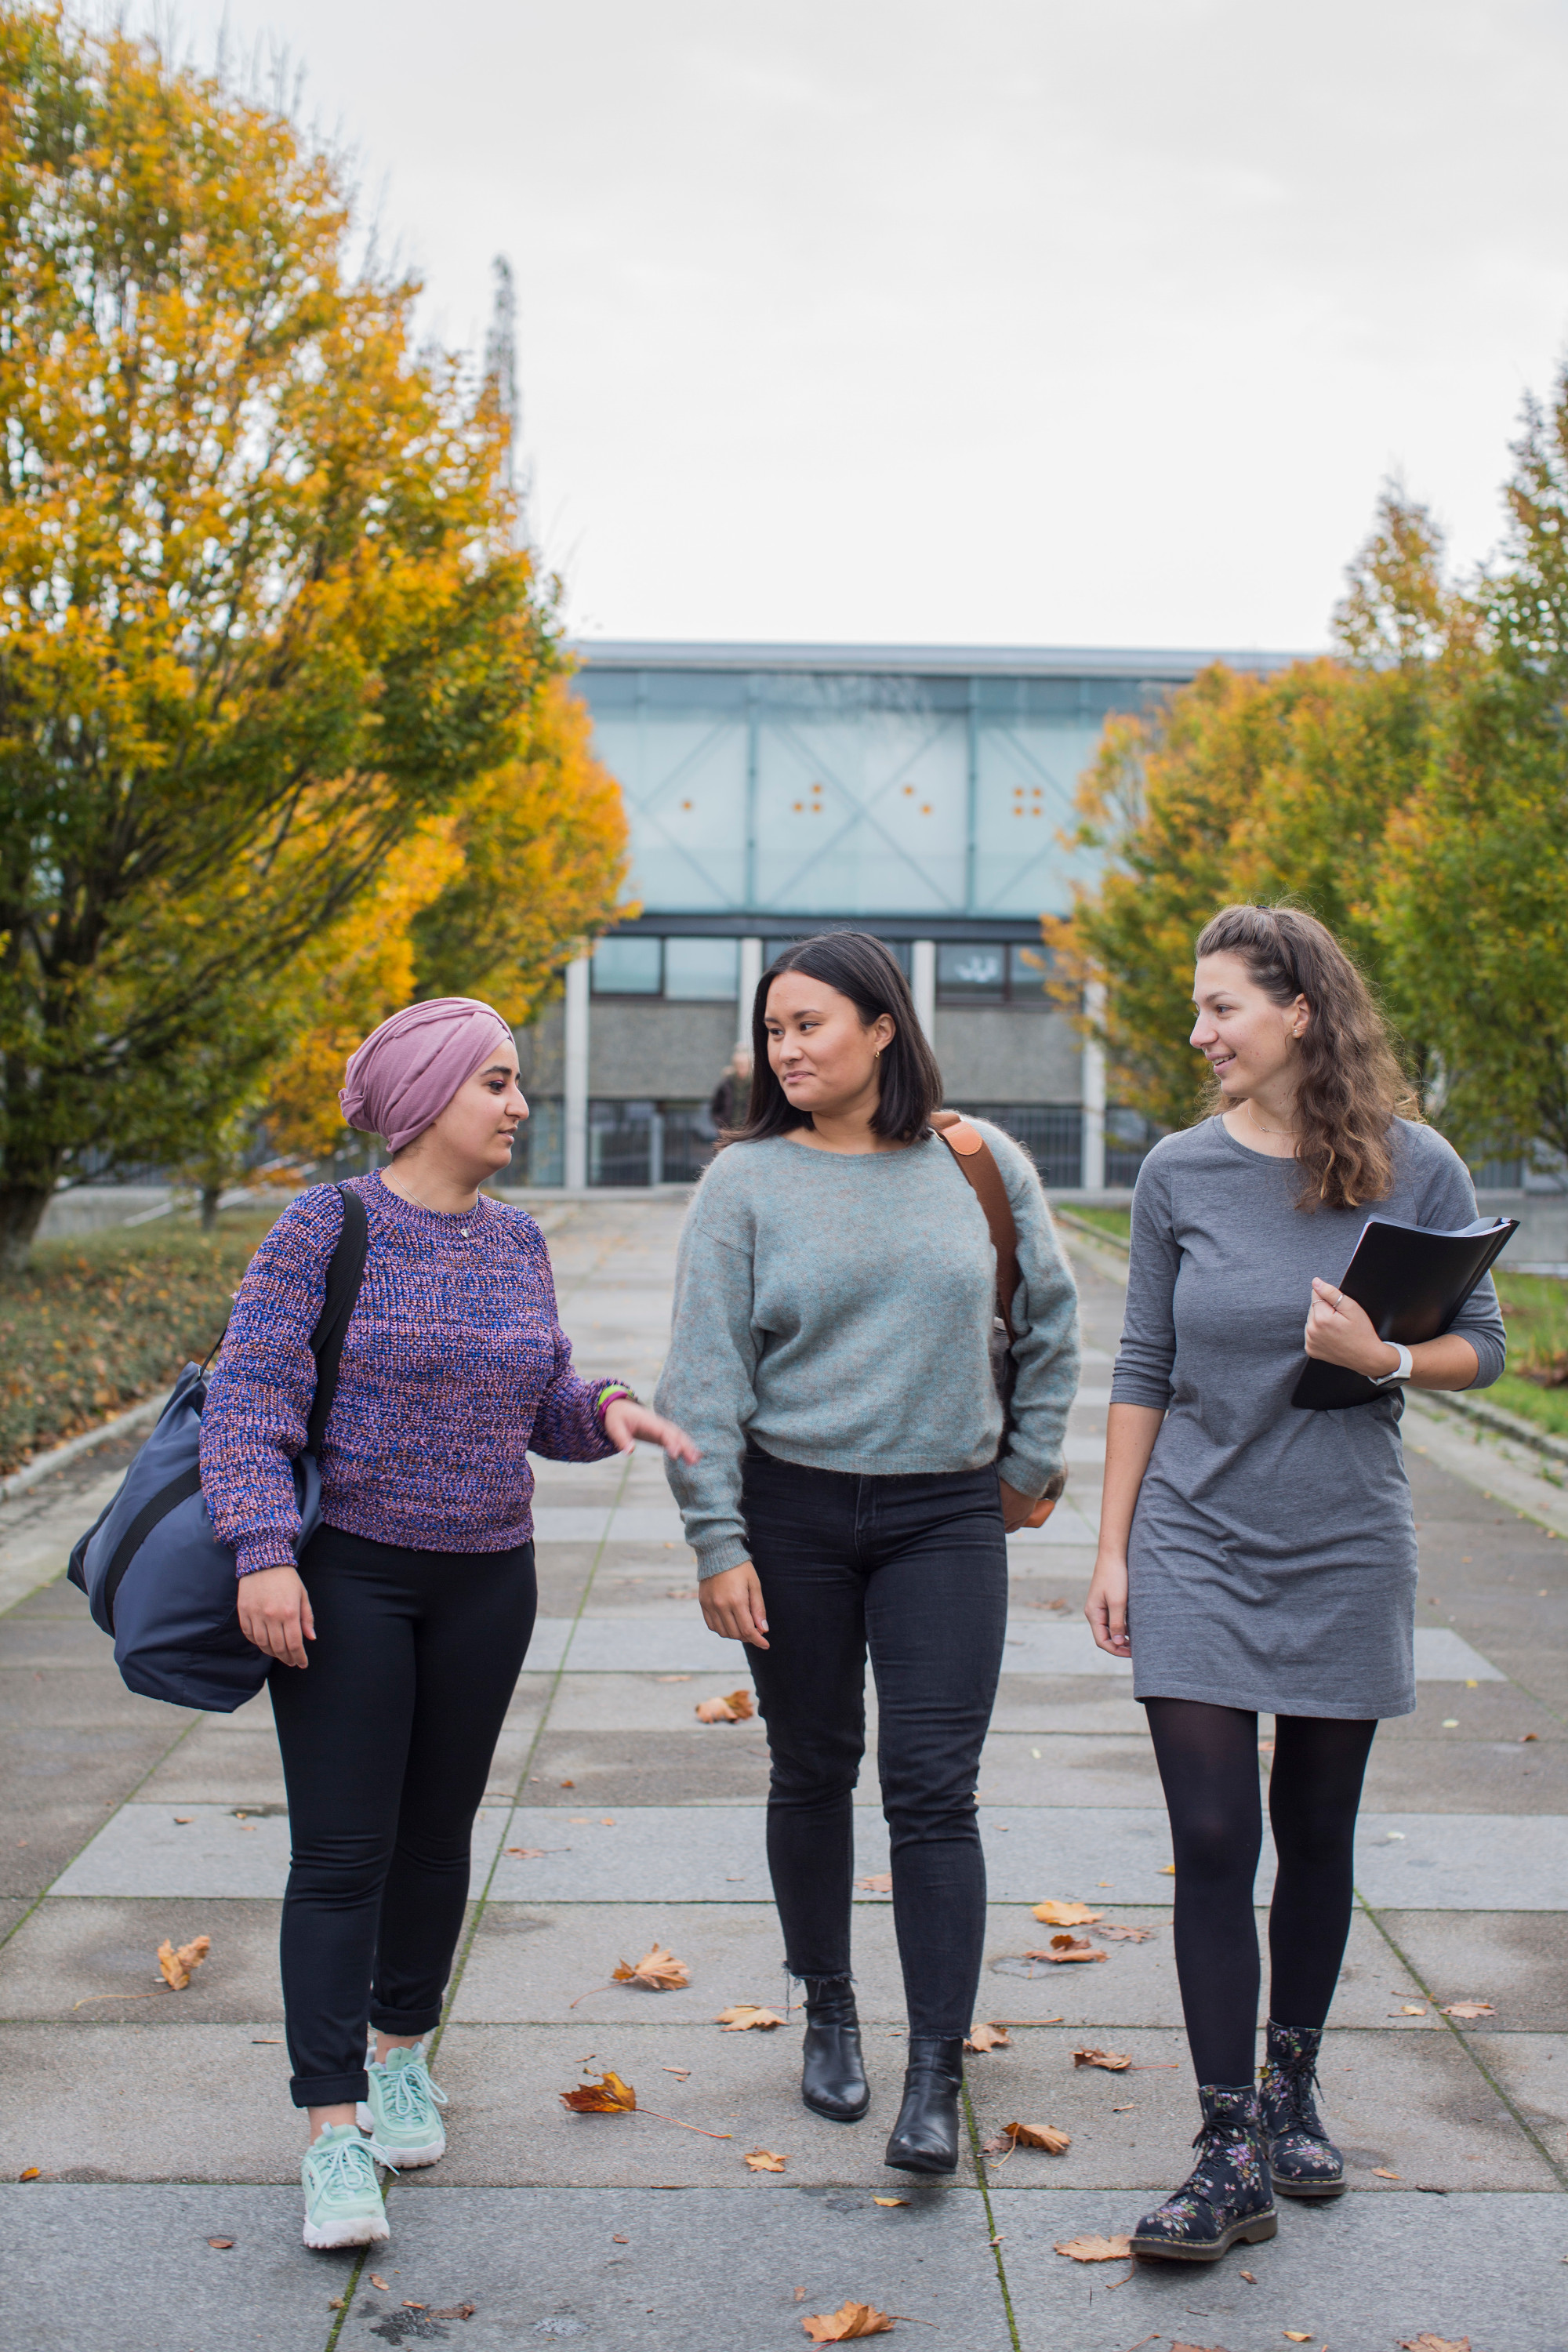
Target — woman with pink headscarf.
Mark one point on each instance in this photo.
(398, 1636)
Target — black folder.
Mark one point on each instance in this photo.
(1412, 1281)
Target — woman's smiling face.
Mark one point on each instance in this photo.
(1247, 1038)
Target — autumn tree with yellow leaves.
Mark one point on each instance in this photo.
(263, 617)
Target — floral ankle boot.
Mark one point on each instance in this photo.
(1302, 2158)
(1227, 2196)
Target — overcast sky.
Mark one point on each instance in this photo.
(1018, 323)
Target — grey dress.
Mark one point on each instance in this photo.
(1272, 1557)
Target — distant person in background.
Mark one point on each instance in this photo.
(834, 1302)
(398, 1637)
(1255, 1558)
(726, 1109)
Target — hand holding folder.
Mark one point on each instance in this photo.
(1412, 1281)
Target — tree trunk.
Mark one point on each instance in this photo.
(22, 1207)
(211, 1194)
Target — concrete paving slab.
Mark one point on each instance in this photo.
(1360, 2273)
(1516, 1960)
(1532, 2068)
(138, 2102)
(1413, 2104)
(214, 1853)
(611, 1771)
(1063, 1768)
(1442, 1656)
(96, 1960)
(598, 1645)
(721, 2264)
(131, 2268)
(1465, 1776)
(1066, 1703)
(1462, 1861)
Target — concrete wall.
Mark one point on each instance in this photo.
(1006, 1054)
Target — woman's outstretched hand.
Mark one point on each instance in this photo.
(274, 1614)
(732, 1605)
(1339, 1331)
(624, 1423)
(1106, 1608)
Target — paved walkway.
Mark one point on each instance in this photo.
(159, 2124)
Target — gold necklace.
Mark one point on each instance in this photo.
(1258, 1123)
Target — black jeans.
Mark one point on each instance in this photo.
(914, 1569)
(387, 1738)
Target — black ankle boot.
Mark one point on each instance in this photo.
(833, 2075)
(1226, 2195)
(925, 2137)
(1302, 2159)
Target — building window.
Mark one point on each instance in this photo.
(703, 971)
(989, 971)
(1051, 1133)
(1129, 1137)
(539, 1155)
(649, 1143)
(632, 965)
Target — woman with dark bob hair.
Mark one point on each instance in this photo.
(834, 1308)
(1255, 1558)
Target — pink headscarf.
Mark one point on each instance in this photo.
(407, 1071)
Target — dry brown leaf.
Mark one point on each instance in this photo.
(1469, 2009)
(376, 2280)
(222, 2244)
(1065, 1948)
(851, 2319)
(527, 1852)
(988, 2037)
(455, 2311)
(1195, 2347)
(608, 2096)
(746, 2017)
(881, 1881)
(736, 1707)
(1096, 2250)
(764, 2159)
(1250, 2276)
(1065, 1914)
(1429, 2343)
(1167, 1870)
(1012, 2136)
(1298, 2334)
(889, 2200)
(179, 1967)
(1127, 1935)
(1383, 2173)
(30, 2172)
(659, 1970)
(1112, 2060)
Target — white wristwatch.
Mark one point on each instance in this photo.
(1401, 1370)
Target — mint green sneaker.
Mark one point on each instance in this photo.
(399, 2112)
(342, 2195)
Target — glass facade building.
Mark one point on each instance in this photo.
(774, 791)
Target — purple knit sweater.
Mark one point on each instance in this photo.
(454, 1365)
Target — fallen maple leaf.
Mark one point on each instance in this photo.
(1429, 2343)
(608, 2096)
(1112, 2060)
(1383, 2173)
(764, 2159)
(1065, 1914)
(527, 1852)
(881, 1881)
(1469, 2009)
(745, 2017)
(1012, 2136)
(1064, 1949)
(1127, 1935)
(1096, 2250)
(657, 1969)
(734, 1708)
(30, 2172)
(988, 2037)
(179, 1967)
(1298, 2334)
(851, 2319)
(376, 2280)
(889, 2200)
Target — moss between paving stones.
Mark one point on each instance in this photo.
(95, 1323)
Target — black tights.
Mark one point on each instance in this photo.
(1209, 1762)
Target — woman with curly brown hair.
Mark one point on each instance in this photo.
(1257, 1558)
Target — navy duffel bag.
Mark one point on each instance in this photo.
(154, 1574)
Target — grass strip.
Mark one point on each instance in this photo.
(94, 1324)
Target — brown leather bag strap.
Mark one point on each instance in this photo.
(978, 1161)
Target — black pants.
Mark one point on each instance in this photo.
(1209, 1762)
(386, 1737)
(914, 1569)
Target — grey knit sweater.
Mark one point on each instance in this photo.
(836, 1308)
